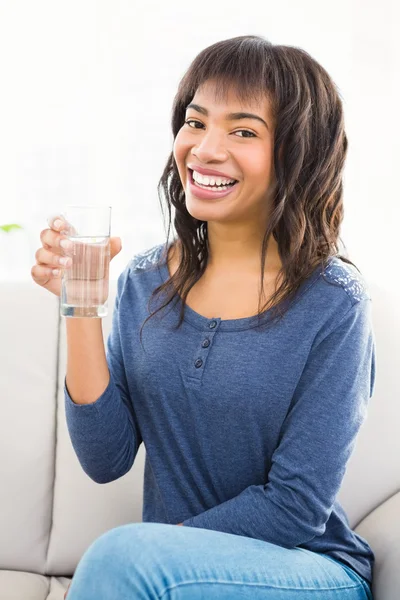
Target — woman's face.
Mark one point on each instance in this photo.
(240, 148)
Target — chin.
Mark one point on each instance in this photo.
(197, 209)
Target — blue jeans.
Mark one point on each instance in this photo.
(159, 561)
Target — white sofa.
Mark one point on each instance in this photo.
(50, 511)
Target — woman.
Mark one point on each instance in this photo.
(249, 381)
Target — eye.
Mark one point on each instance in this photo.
(241, 130)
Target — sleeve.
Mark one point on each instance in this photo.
(317, 439)
(105, 434)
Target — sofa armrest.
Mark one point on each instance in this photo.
(381, 529)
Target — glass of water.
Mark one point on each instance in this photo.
(85, 285)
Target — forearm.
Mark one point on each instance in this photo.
(101, 421)
(87, 370)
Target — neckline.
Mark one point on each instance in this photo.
(203, 323)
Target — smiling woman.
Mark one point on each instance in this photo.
(247, 433)
(270, 118)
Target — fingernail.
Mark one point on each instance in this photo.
(64, 261)
(58, 224)
(66, 244)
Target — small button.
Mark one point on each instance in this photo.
(198, 363)
(206, 343)
(212, 324)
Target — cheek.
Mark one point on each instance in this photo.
(181, 152)
(261, 169)
(256, 175)
(180, 148)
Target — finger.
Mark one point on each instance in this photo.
(51, 240)
(55, 222)
(115, 246)
(50, 259)
(60, 224)
(42, 274)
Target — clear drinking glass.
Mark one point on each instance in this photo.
(85, 284)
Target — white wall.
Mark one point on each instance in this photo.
(85, 104)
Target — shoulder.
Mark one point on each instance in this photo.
(346, 276)
(142, 262)
(342, 304)
(140, 275)
(147, 259)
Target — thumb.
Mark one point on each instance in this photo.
(115, 246)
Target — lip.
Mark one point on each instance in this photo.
(204, 171)
(204, 194)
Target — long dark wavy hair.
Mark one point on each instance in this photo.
(310, 147)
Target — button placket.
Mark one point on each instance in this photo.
(201, 357)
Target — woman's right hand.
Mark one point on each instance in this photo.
(48, 268)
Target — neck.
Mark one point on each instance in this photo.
(238, 249)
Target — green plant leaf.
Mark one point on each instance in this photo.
(8, 228)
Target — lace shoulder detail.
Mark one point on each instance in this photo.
(348, 277)
(147, 259)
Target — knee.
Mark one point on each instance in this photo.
(126, 554)
(117, 543)
(133, 543)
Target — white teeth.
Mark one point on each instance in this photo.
(212, 180)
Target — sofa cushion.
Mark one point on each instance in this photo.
(18, 585)
(28, 373)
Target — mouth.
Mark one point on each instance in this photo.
(208, 192)
(213, 188)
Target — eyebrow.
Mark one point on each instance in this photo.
(230, 116)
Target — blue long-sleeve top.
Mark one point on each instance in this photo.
(246, 432)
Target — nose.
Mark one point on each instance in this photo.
(211, 147)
